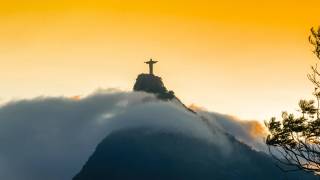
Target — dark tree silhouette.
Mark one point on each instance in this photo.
(294, 141)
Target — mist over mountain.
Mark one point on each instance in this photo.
(127, 135)
(186, 144)
(52, 137)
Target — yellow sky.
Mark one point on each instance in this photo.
(246, 58)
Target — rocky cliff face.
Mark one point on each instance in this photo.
(153, 84)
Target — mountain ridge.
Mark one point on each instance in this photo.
(150, 153)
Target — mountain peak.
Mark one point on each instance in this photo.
(152, 84)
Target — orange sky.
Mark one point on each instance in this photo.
(246, 58)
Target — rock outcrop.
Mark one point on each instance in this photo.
(153, 84)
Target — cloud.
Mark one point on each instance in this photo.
(250, 132)
(51, 138)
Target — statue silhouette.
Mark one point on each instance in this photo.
(151, 62)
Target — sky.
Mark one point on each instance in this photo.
(245, 58)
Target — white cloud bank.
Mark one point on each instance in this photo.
(51, 138)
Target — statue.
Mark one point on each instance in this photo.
(151, 62)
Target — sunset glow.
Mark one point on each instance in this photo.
(245, 58)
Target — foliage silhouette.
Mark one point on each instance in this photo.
(294, 141)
